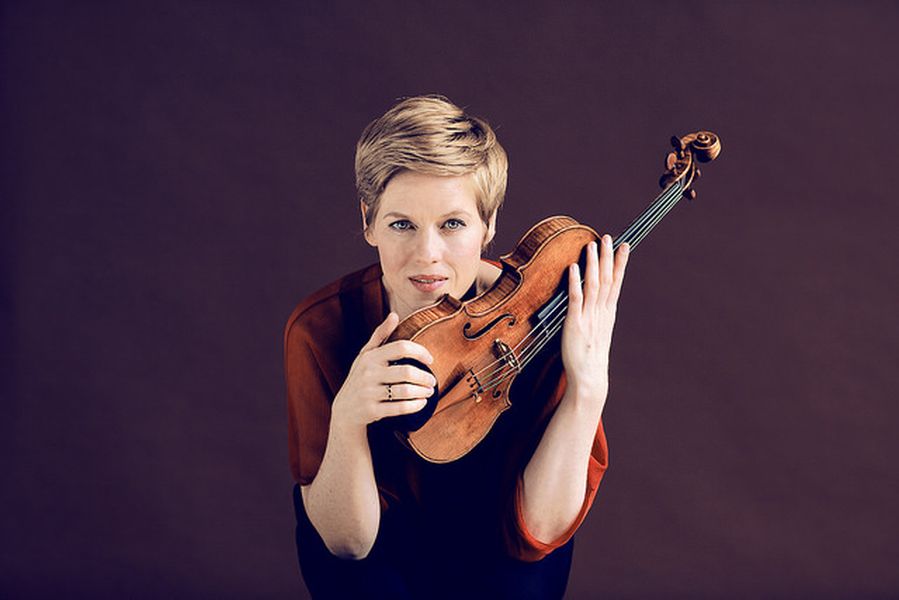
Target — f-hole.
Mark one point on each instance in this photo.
(473, 336)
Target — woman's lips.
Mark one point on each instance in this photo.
(427, 283)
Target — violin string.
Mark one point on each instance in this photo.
(642, 230)
(660, 206)
(633, 232)
(541, 341)
(647, 215)
(548, 332)
(529, 338)
(502, 375)
(535, 336)
(548, 335)
(639, 229)
(557, 303)
(539, 336)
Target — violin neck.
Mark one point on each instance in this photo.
(552, 315)
(656, 211)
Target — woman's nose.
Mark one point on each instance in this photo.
(430, 246)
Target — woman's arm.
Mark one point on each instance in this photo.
(555, 479)
(342, 501)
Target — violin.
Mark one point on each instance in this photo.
(480, 345)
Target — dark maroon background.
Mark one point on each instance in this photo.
(176, 176)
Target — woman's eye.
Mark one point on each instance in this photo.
(401, 225)
(454, 224)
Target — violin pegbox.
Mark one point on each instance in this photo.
(682, 163)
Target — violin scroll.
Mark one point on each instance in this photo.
(682, 163)
(706, 145)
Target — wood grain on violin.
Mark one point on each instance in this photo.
(480, 345)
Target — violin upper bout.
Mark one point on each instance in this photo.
(449, 303)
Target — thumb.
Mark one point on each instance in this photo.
(382, 332)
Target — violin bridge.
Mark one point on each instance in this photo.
(475, 384)
(506, 354)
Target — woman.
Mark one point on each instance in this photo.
(373, 518)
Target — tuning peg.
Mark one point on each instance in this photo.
(698, 173)
(677, 143)
(670, 161)
(690, 194)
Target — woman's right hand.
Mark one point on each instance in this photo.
(364, 397)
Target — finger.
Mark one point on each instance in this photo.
(382, 332)
(575, 293)
(621, 256)
(400, 407)
(405, 349)
(408, 391)
(408, 374)
(591, 285)
(606, 269)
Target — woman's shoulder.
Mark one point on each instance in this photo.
(322, 309)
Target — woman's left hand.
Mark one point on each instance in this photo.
(587, 333)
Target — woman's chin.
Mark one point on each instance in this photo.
(425, 300)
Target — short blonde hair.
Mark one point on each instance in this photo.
(430, 134)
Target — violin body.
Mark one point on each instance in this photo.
(494, 328)
(480, 345)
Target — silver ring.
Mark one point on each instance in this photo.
(389, 392)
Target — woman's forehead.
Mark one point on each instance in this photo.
(412, 194)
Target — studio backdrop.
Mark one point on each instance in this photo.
(177, 176)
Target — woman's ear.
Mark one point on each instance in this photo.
(366, 232)
(491, 230)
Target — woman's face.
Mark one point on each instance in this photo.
(429, 236)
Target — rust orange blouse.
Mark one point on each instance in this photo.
(473, 503)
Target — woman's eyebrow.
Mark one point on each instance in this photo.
(396, 214)
(456, 212)
(453, 213)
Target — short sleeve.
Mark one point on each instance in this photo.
(308, 404)
(520, 543)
